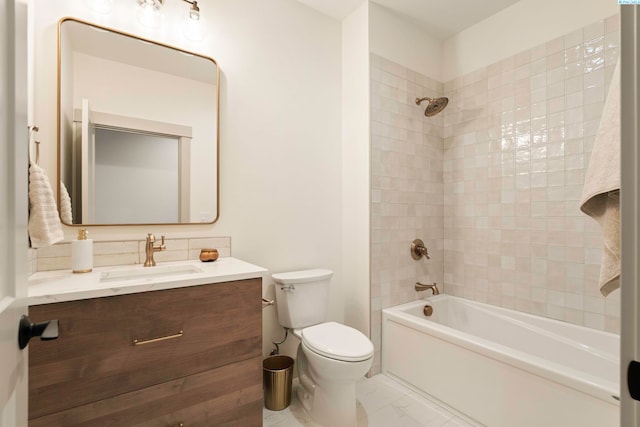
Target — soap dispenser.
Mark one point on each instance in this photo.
(82, 253)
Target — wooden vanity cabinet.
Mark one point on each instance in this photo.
(108, 367)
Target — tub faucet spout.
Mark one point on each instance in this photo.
(421, 287)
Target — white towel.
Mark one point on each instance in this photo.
(66, 214)
(601, 192)
(44, 223)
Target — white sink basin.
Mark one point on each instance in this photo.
(149, 272)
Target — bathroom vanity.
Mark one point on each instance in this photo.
(181, 347)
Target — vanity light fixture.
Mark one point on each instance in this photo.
(155, 4)
(149, 13)
(149, 16)
(194, 10)
(193, 28)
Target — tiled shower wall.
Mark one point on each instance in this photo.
(406, 188)
(492, 183)
(517, 140)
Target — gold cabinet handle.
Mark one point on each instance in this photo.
(168, 337)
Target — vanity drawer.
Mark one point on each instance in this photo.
(228, 396)
(95, 357)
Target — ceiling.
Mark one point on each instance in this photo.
(440, 18)
(337, 9)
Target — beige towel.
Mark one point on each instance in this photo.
(44, 223)
(66, 214)
(601, 192)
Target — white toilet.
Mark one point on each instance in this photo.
(331, 357)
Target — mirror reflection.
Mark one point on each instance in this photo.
(138, 129)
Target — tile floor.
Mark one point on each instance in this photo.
(382, 402)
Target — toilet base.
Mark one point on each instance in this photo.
(329, 401)
(335, 406)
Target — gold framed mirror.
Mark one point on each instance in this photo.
(138, 134)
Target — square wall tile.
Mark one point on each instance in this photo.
(535, 169)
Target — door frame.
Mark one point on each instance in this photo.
(14, 183)
(629, 198)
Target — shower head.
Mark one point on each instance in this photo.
(435, 105)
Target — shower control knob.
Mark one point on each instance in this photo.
(419, 250)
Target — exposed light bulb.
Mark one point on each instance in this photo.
(149, 14)
(194, 11)
(154, 3)
(193, 28)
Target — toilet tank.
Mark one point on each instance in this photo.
(302, 297)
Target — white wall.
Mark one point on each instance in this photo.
(405, 43)
(522, 26)
(281, 169)
(355, 167)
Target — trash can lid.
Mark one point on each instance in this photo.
(338, 342)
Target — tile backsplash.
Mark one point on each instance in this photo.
(126, 252)
(492, 183)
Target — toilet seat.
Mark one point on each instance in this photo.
(337, 341)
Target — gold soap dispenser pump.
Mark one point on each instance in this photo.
(82, 253)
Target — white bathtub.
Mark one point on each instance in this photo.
(502, 367)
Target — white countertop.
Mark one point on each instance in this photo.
(62, 285)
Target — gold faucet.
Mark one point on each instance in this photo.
(434, 288)
(150, 249)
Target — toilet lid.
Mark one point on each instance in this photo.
(338, 341)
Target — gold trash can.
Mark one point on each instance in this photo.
(277, 374)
